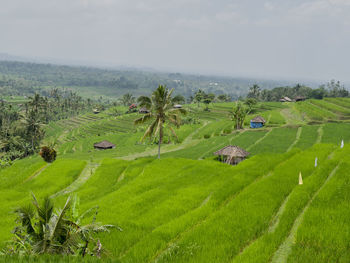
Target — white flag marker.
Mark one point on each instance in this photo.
(316, 162)
(300, 179)
(342, 144)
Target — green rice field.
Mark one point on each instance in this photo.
(189, 207)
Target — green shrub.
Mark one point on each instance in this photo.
(206, 136)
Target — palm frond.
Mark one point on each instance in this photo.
(143, 119)
(25, 215)
(56, 221)
(174, 134)
(144, 101)
(149, 131)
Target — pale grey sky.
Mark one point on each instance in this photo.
(279, 39)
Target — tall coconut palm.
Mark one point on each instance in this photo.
(161, 112)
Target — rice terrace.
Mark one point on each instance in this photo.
(179, 131)
(192, 205)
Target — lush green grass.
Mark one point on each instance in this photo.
(264, 247)
(308, 136)
(325, 231)
(188, 207)
(335, 133)
(277, 141)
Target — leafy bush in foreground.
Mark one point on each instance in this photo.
(41, 230)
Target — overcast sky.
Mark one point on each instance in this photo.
(280, 39)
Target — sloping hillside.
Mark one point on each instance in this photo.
(188, 207)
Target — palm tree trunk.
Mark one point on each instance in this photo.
(160, 140)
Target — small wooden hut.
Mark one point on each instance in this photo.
(104, 145)
(257, 122)
(285, 99)
(144, 111)
(232, 154)
(300, 98)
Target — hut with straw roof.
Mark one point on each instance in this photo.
(104, 145)
(285, 99)
(231, 154)
(257, 122)
(300, 98)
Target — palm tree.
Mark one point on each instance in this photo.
(239, 113)
(161, 109)
(254, 92)
(127, 99)
(33, 126)
(44, 231)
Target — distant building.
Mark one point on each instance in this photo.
(257, 122)
(285, 99)
(300, 98)
(177, 106)
(104, 145)
(144, 111)
(96, 111)
(232, 154)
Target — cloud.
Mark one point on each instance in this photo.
(271, 37)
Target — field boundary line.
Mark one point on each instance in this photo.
(122, 175)
(284, 250)
(319, 134)
(259, 140)
(319, 107)
(220, 145)
(187, 142)
(268, 119)
(222, 205)
(85, 174)
(237, 135)
(37, 172)
(340, 106)
(297, 138)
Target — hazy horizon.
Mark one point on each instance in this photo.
(305, 40)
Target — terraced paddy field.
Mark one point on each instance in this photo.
(187, 206)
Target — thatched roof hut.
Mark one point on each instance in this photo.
(285, 99)
(104, 145)
(144, 110)
(231, 154)
(257, 122)
(300, 98)
(258, 119)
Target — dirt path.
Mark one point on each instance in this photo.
(281, 255)
(85, 174)
(319, 134)
(291, 117)
(188, 142)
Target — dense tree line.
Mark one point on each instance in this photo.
(21, 126)
(331, 89)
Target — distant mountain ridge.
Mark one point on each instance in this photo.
(112, 82)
